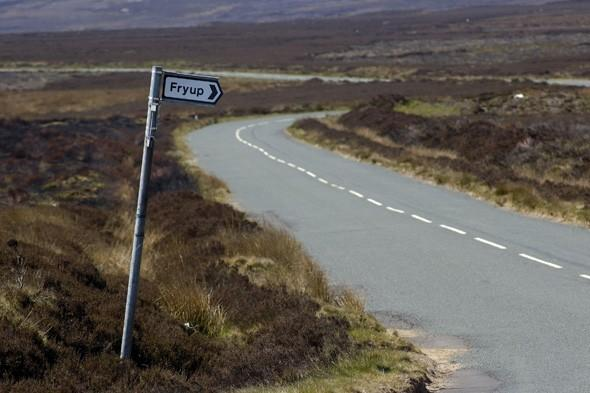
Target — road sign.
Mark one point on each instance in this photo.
(191, 88)
(176, 87)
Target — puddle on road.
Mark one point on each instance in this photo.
(450, 376)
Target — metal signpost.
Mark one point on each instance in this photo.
(176, 87)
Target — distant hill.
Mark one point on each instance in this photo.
(61, 15)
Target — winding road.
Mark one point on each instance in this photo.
(515, 288)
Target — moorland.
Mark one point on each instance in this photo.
(260, 311)
(502, 40)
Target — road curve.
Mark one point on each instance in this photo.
(515, 288)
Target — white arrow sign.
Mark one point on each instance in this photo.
(191, 88)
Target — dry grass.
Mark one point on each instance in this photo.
(237, 85)
(194, 307)
(273, 256)
(560, 173)
(382, 72)
(373, 136)
(113, 257)
(513, 196)
(350, 301)
(24, 285)
(58, 102)
(38, 225)
(432, 109)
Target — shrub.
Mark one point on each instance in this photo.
(22, 353)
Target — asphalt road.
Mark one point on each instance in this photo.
(516, 289)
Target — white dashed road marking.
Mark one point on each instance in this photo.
(377, 203)
(356, 194)
(417, 217)
(448, 228)
(489, 243)
(553, 265)
(374, 202)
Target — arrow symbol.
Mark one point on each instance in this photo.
(178, 86)
(214, 92)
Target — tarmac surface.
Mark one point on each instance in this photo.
(514, 289)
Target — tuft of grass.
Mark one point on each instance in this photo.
(288, 264)
(349, 300)
(583, 214)
(113, 257)
(21, 292)
(194, 307)
(77, 188)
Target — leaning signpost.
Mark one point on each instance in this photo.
(165, 86)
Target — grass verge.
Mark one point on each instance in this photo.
(211, 187)
(380, 361)
(532, 169)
